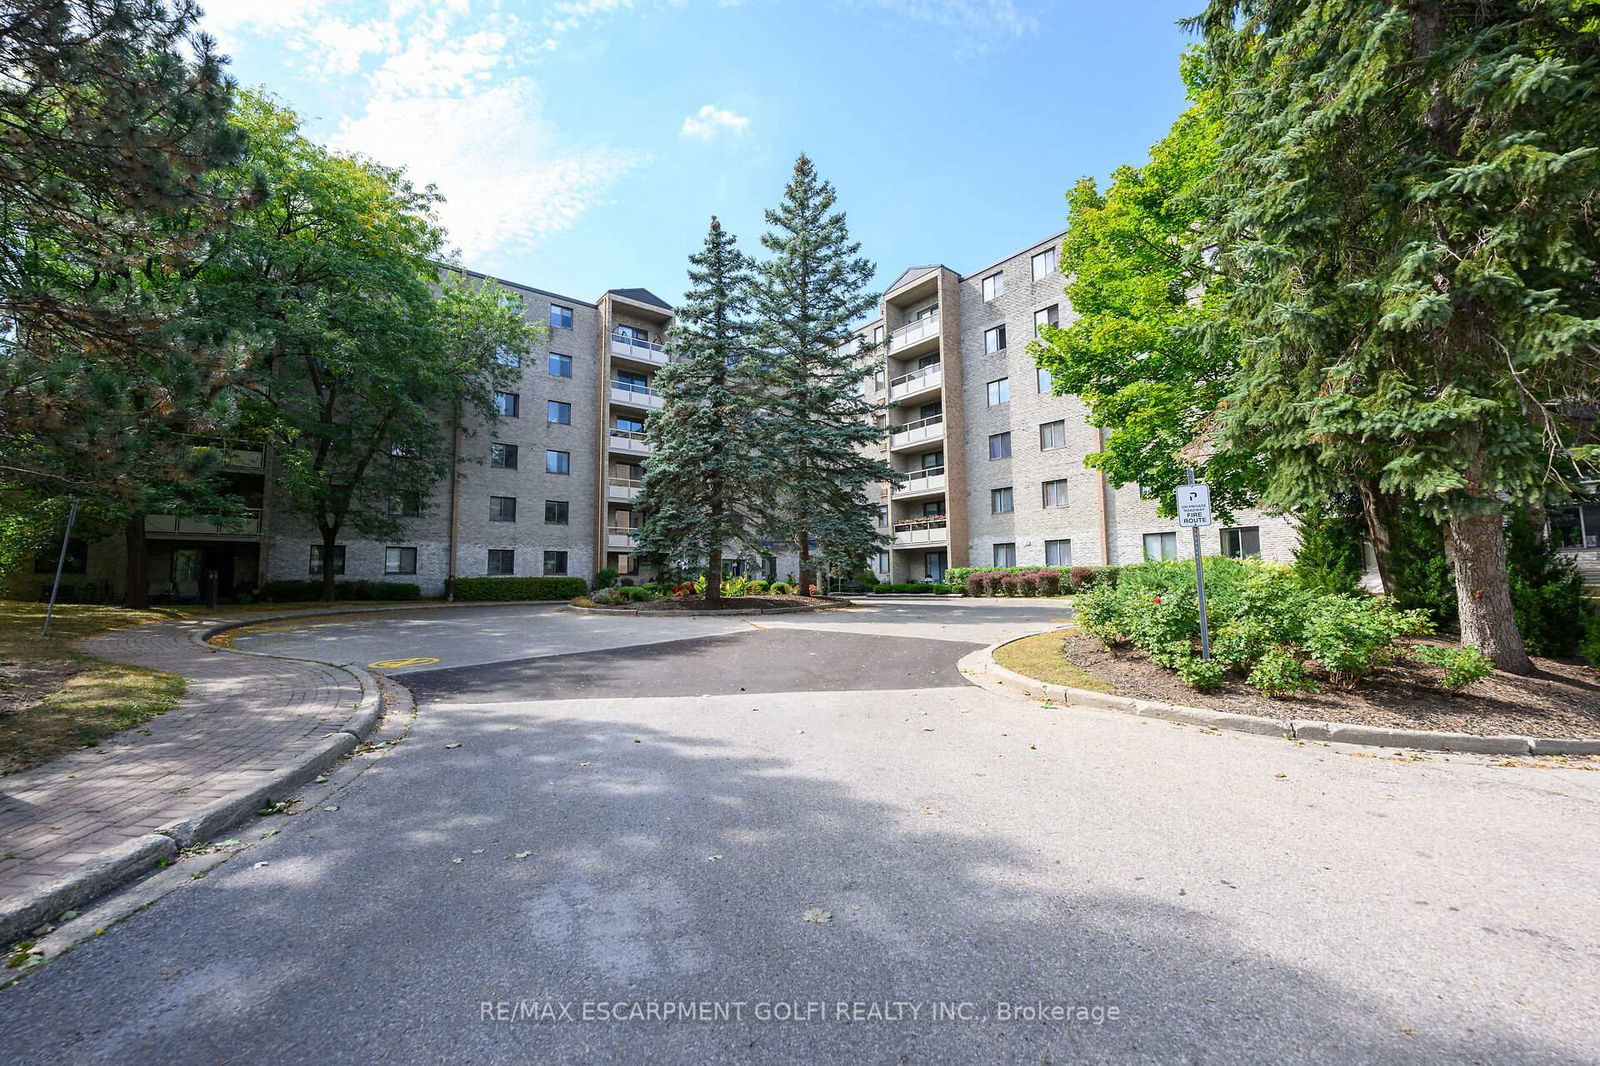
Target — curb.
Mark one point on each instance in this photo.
(128, 861)
(980, 669)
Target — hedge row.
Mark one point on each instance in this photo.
(911, 587)
(519, 588)
(300, 591)
(1028, 580)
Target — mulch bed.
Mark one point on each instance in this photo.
(1560, 699)
(733, 603)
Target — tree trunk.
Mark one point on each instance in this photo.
(1380, 511)
(714, 578)
(136, 565)
(1483, 589)
(805, 564)
(329, 537)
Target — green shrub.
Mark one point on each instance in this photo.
(1329, 557)
(782, 588)
(985, 580)
(1590, 648)
(758, 587)
(604, 579)
(1203, 675)
(609, 597)
(1350, 636)
(1546, 590)
(1278, 673)
(519, 588)
(1462, 665)
(913, 587)
(297, 591)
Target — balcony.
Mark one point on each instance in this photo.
(928, 480)
(633, 395)
(910, 434)
(247, 525)
(921, 532)
(638, 351)
(914, 335)
(621, 538)
(622, 489)
(628, 442)
(917, 383)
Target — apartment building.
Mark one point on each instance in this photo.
(994, 463)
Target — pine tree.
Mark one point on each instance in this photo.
(1412, 193)
(705, 482)
(809, 296)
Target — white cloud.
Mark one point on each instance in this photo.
(506, 182)
(439, 87)
(978, 21)
(711, 120)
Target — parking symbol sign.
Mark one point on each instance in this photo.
(1194, 505)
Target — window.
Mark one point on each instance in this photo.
(1045, 316)
(1053, 435)
(502, 508)
(557, 462)
(507, 404)
(632, 334)
(1575, 527)
(993, 286)
(560, 317)
(1000, 445)
(1005, 555)
(556, 512)
(403, 450)
(503, 456)
(933, 460)
(1241, 542)
(77, 561)
(399, 560)
(883, 516)
(555, 562)
(1042, 378)
(406, 504)
(338, 558)
(1159, 546)
(1000, 501)
(877, 380)
(1058, 553)
(1044, 264)
(877, 334)
(999, 392)
(558, 413)
(561, 365)
(1055, 493)
(994, 339)
(507, 357)
(1145, 491)
(883, 562)
(502, 562)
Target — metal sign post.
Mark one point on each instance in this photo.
(61, 561)
(1194, 511)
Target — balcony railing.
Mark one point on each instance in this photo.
(927, 479)
(625, 538)
(623, 488)
(930, 529)
(635, 388)
(627, 440)
(246, 525)
(629, 348)
(919, 380)
(921, 329)
(914, 432)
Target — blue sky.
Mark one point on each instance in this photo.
(583, 144)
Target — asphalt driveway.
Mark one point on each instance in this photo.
(812, 842)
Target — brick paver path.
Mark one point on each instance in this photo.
(242, 717)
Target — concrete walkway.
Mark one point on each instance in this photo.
(242, 719)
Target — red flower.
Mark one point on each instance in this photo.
(1157, 599)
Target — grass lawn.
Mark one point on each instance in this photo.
(1040, 658)
(54, 700)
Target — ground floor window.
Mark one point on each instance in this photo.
(1058, 553)
(502, 562)
(555, 562)
(1160, 546)
(1242, 542)
(399, 560)
(883, 562)
(1005, 555)
(1575, 528)
(317, 561)
(933, 565)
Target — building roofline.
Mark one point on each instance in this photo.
(1032, 244)
(518, 284)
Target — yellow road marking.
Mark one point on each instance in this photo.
(395, 664)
